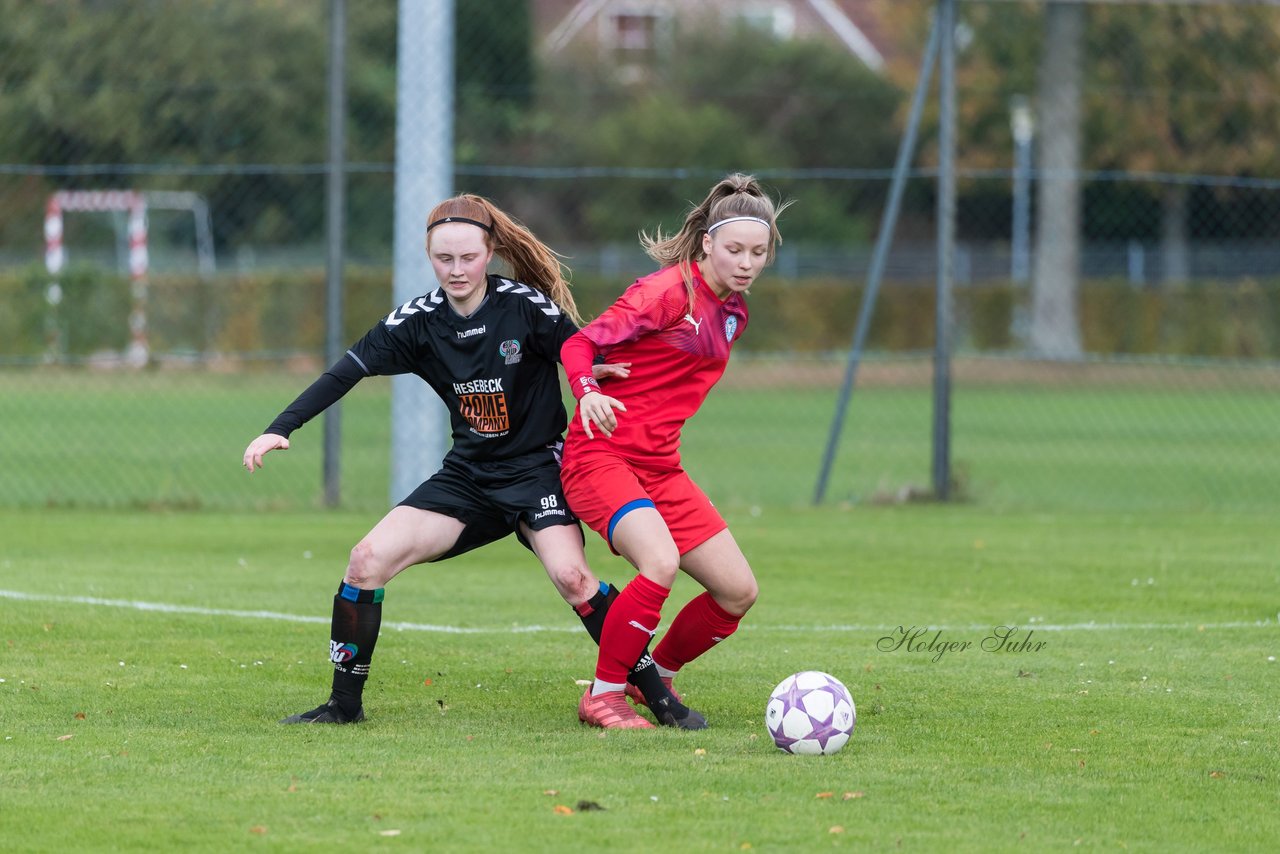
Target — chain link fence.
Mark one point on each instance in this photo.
(1117, 281)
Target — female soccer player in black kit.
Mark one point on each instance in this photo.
(489, 347)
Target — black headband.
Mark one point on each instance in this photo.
(443, 220)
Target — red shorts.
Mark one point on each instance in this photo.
(603, 488)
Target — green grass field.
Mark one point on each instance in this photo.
(160, 610)
(1147, 721)
(1171, 441)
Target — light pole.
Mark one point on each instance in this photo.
(1024, 130)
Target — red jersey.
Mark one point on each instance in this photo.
(676, 356)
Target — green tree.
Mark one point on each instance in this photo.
(1185, 89)
(791, 105)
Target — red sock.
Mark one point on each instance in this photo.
(628, 627)
(699, 626)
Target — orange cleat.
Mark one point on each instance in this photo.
(610, 711)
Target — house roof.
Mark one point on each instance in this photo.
(851, 22)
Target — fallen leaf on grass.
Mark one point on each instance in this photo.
(1217, 774)
(388, 833)
(79, 716)
(848, 796)
(589, 806)
(836, 829)
(700, 752)
(561, 809)
(426, 681)
(824, 794)
(258, 829)
(550, 791)
(65, 737)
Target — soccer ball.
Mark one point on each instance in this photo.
(810, 712)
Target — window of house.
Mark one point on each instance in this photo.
(776, 19)
(635, 31)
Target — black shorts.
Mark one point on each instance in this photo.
(492, 498)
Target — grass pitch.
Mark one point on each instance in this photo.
(1147, 720)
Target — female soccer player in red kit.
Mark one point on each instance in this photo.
(622, 473)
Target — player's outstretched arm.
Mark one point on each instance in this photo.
(259, 447)
(596, 408)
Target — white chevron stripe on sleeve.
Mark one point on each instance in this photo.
(412, 307)
(535, 296)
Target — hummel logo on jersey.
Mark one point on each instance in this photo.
(649, 632)
(479, 330)
(697, 324)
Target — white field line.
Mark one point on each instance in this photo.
(165, 608)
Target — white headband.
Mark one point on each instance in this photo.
(728, 220)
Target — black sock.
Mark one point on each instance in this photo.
(357, 616)
(593, 610)
(645, 673)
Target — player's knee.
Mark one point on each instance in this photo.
(574, 581)
(747, 596)
(739, 598)
(661, 569)
(363, 569)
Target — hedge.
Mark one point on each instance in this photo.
(284, 311)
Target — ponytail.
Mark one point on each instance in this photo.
(532, 261)
(735, 195)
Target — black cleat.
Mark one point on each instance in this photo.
(329, 713)
(669, 711)
(682, 717)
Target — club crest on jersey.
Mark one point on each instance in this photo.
(510, 350)
(730, 327)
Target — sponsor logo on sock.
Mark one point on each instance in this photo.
(341, 653)
(649, 632)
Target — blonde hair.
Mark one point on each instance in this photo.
(734, 195)
(532, 261)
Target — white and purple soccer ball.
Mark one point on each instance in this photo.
(810, 712)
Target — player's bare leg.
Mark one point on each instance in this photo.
(719, 566)
(404, 537)
(560, 550)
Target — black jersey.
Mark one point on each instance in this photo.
(495, 370)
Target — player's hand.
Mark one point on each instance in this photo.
(611, 369)
(596, 408)
(258, 448)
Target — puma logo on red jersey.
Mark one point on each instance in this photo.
(697, 324)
